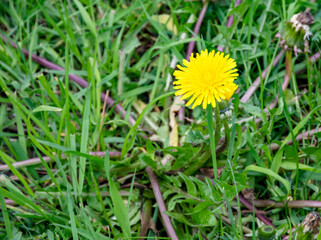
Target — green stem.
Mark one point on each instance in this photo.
(288, 64)
(288, 70)
(311, 103)
(212, 141)
(218, 125)
(146, 218)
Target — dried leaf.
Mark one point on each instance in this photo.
(166, 19)
(173, 136)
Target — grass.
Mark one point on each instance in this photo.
(97, 165)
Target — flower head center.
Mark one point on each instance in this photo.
(209, 80)
(206, 79)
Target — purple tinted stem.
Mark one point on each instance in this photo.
(161, 204)
(229, 23)
(196, 30)
(289, 204)
(248, 204)
(248, 94)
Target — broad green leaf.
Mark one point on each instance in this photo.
(204, 218)
(292, 166)
(149, 162)
(195, 136)
(177, 198)
(131, 45)
(314, 153)
(272, 174)
(199, 207)
(208, 219)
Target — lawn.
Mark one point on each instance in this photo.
(160, 119)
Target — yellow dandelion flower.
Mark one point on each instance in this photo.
(207, 78)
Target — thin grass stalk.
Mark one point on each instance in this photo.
(309, 80)
(5, 217)
(146, 216)
(159, 69)
(288, 70)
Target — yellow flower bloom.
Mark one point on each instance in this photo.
(207, 78)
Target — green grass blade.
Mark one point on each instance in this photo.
(272, 174)
(70, 203)
(8, 161)
(5, 215)
(119, 208)
(84, 140)
(90, 24)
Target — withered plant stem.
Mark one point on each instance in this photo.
(161, 204)
(249, 205)
(34, 161)
(289, 204)
(146, 215)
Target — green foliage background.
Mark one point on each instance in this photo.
(126, 48)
